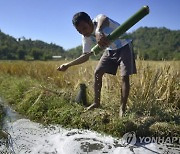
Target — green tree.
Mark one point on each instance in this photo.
(37, 54)
(21, 54)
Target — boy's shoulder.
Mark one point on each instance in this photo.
(98, 16)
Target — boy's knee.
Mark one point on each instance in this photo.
(125, 79)
(98, 73)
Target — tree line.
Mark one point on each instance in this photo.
(150, 43)
(27, 49)
(157, 43)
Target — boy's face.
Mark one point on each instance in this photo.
(85, 28)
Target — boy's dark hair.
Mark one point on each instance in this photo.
(80, 16)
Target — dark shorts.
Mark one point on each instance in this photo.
(123, 57)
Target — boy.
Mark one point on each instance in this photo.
(117, 53)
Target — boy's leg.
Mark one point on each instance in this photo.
(128, 67)
(125, 87)
(97, 89)
(105, 65)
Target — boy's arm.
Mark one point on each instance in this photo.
(102, 21)
(83, 58)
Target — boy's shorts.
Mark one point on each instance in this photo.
(123, 57)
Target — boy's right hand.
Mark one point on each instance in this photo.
(102, 40)
(63, 67)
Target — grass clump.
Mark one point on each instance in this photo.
(165, 129)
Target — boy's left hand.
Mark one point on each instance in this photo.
(63, 67)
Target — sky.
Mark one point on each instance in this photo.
(51, 20)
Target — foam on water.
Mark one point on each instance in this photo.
(30, 137)
(33, 138)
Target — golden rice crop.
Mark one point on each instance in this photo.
(156, 83)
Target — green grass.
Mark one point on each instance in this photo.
(38, 91)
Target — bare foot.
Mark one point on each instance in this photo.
(92, 106)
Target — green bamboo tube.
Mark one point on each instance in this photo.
(124, 27)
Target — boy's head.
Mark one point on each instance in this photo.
(83, 23)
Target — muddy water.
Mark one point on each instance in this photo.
(27, 137)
